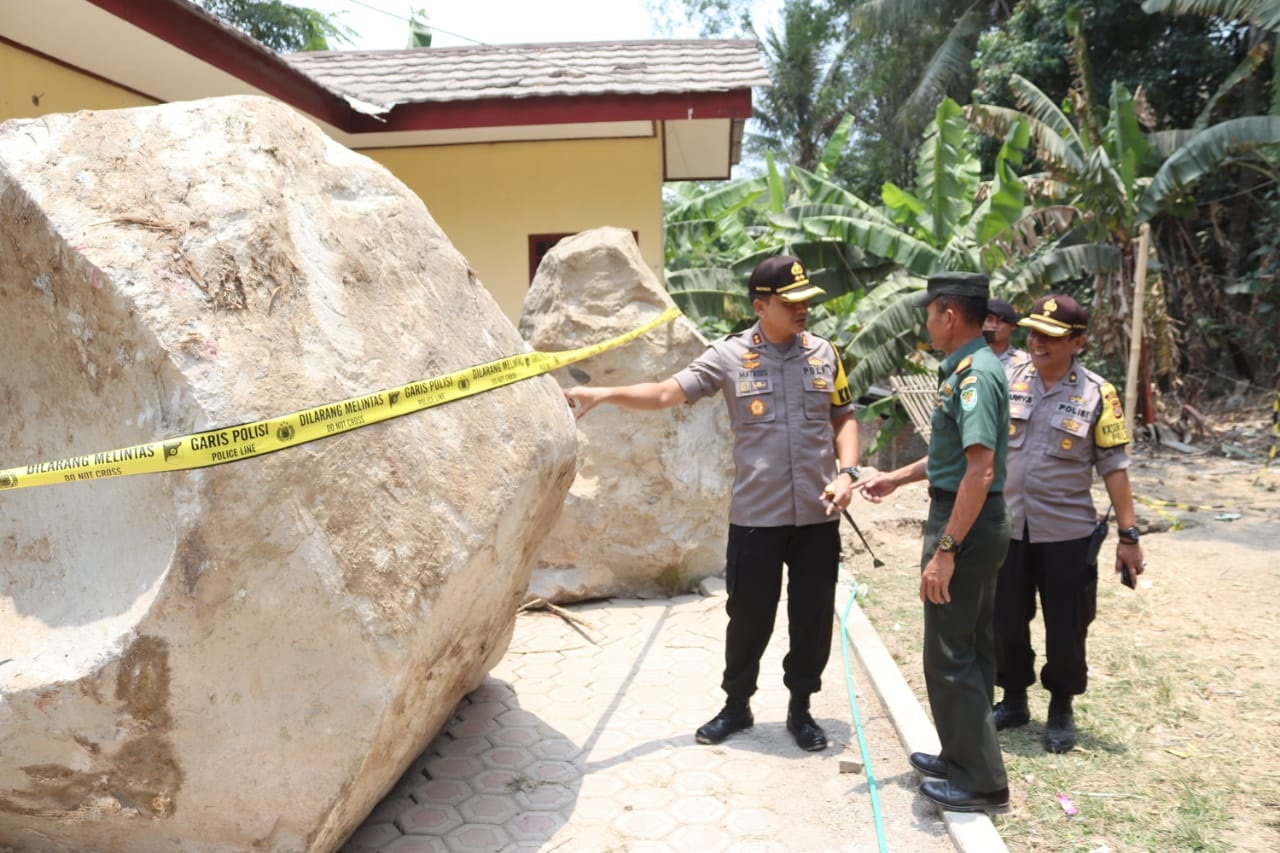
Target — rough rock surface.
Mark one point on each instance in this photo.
(648, 512)
(243, 657)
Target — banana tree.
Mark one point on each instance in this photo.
(1114, 176)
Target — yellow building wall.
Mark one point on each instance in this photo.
(489, 198)
(32, 86)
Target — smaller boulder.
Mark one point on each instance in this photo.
(647, 514)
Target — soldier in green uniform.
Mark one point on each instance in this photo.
(965, 541)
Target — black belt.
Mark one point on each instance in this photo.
(943, 495)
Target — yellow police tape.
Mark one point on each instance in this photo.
(247, 440)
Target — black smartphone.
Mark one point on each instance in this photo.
(1126, 575)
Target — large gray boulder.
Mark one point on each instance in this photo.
(242, 657)
(648, 512)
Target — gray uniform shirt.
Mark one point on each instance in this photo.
(781, 402)
(1012, 356)
(1057, 439)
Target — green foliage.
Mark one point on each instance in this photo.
(282, 27)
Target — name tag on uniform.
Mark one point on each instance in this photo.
(752, 382)
(1074, 426)
(1072, 411)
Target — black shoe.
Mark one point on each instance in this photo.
(732, 718)
(954, 799)
(1009, 714)
(808, 734)
(929, 765)
(1060, 733)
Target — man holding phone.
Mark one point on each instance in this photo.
(1065, 422)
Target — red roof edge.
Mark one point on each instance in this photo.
(561, 109)
(202, 35)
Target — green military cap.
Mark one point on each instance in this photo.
(954, 284)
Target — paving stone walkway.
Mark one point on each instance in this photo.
(582, 740)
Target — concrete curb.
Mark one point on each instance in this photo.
(970, 832)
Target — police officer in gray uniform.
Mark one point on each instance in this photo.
(1066, 422)
(792, 418)
(965, 540)
(998, 329)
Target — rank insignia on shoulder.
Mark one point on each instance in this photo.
(964, 364)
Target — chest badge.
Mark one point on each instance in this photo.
(1067, 444)
(757, 407)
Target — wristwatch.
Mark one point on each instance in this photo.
(851, 471)
(948, 544)
(1132, 534)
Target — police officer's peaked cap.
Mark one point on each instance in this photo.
(1003, 310)
(1056, 315)
(954, 284)
(784, 277)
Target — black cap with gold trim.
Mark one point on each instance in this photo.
(784, 277)
(1056, 315)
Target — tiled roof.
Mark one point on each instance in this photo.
(451, 74)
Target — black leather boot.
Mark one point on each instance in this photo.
(733, 717)
(1060, 729)
(1011, 711)
(808, 734)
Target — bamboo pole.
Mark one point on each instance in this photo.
(1135, 337)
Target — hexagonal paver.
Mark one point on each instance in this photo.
(746, 822)
(495, 782)
(507, 757)
(489, 808)
(645, 823)
(555, 749)
(533, 826)
(453, 767)
(596, 811)
(479, 726)
(548, 796)
(699, 810)
(696, 758)
(450, 791)
(518, 717)
(693, 783)
(477, 838)
(429, 819)
(462, 745)
(491, 690)
(563, 772)
(391, 807)
(514, 736)
(480, 710)
(416, 844)
(371, 837)
(704, 839)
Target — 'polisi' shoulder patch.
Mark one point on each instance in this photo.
(1110, 430)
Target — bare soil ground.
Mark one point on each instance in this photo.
(1181, 725)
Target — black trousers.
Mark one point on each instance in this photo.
(1068, 591)
(753, 574)
(959, 647)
